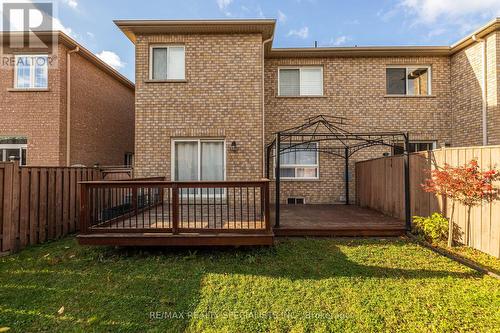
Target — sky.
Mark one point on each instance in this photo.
(299, 22)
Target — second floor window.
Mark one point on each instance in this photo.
(300, 81)
(413, 81)
(31, 72)
(167, 63)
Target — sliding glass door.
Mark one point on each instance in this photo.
(199, 160)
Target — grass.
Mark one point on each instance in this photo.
(482, 259)
(313, 285)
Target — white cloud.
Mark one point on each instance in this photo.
(340, 40)
(281, 16)
(111, 59)
(223, 6)
(90, 34)
(71, 3)
(301, 33)
(429, 11)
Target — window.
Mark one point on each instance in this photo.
(300, 161)
(167, 63)
(199, 160)
(129, 159)
(399, 148)
(412, 81)
(13, 148)
(300, 81)
(31, 72)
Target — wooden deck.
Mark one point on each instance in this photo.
(335, 220)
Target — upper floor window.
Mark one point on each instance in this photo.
(31, 72)
(300, 81)
(167, 62)
(412, 81)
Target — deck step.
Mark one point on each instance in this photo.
(181, 239)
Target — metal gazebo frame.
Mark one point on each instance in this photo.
(328, 128)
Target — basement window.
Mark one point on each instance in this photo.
(167, 63)
(31, 72)
(408, 81)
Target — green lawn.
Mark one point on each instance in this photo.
(349, 285)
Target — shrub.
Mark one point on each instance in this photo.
(432, 228)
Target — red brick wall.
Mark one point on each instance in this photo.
(102, 116)
(35, 115)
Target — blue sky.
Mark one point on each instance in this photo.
(300, 22)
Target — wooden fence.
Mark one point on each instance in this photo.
(379, 185)
(39, 203)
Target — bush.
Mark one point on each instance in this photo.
(432, 228)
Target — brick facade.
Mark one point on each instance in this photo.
(221, 98)
(102, 108)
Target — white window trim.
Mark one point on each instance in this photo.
(300, 75)
(295, 166)
(407, 68)
(32, 71)
(3, 156)
(165, 46)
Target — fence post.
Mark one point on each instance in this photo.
(407, 182)
(8, 202)
(175, 209)
(84, 223)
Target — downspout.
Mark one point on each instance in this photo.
(263, 106)
(68, 104)
(484, 89)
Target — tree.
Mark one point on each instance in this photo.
(466, 184)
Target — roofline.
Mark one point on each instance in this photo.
(131, 27)
(370, 51)
(70, 42)
(493, 25)
(366, 51)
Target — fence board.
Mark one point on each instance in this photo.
(482, 231)
(39, 203)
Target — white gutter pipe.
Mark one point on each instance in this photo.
(68, 104)
(484, 89)
(263, 106)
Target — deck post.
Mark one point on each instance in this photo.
(407, 182)
(346, 154)
(277, 180)
(84, 223)
(268, 161)
(267, 213)
(175, 209)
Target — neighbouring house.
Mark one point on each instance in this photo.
(211, 94)
(61, 105)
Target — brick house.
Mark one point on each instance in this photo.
(61, 105)
(211, 94)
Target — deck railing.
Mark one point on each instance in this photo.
(152, 205)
